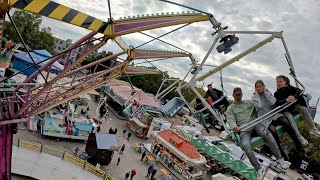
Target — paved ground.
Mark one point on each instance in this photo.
(44, 166)
(129, 160)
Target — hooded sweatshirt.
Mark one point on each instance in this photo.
(263, 104)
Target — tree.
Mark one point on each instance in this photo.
(189, 95)
(96, 56)
(150, 83)
(313, 147)
(29, 27)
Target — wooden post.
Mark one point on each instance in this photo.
(63, 155)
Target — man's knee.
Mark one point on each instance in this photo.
(246, 145)
(288, 115)
(302, 109)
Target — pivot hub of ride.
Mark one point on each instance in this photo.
(226, 43)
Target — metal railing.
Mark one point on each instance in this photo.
(39, 147)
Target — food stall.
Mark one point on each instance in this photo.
(125, 99)
(67, 122)
(182, 155)
(140, 122)
(101, 147)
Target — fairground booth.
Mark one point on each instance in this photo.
(101, 147)
(134, 104)
(184, 159)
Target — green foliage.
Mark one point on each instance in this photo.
(29, 27)
(150, 83)
(313, 148)
(96, 56)
(189, 95)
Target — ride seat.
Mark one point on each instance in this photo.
(259, 141)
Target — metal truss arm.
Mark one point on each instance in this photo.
(236, 58)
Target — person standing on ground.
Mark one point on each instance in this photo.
(82, 112)
(157, 150)
(140, 148)
(143, 155)
(150, 169)
(122, 149)
(76, 151)
(111, 131)
(92, 129)
(154, 148)
(168, 177)
(124, 132)
(115, 131)
(127, 176)
(133, 173)
(75, 107)
(129, 135)
(118, 161)
(98, 129)
(154, 171)
(158, 158)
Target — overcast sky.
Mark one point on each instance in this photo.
(299, 20)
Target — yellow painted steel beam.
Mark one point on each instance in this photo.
(140, 70)
(236, 58)
(101, 79)
(151, 54)
(59, 76)
(63, 13)
(4, 5)
(114, 72)
(95, 63)
(132, 54)
(128, 26)
(113, 29)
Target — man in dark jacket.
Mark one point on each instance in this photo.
(144, 154)
(216, 94)
(287, 93)
(153, 173)
(150, 169)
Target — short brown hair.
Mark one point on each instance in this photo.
(237, 90)
(259, 82)
(285, 79)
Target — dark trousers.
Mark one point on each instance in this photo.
(152, 175)
(142, 158)
(282, 121)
